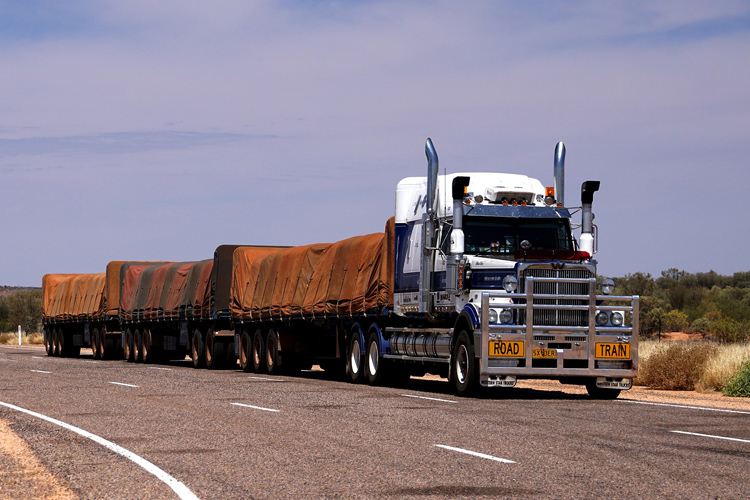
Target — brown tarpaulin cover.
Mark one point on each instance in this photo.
(155, 289)
(171, 299)
(72, 296)
(113, 287)
(353, 276)
(245, 266)
(194, 298)
(130, 288)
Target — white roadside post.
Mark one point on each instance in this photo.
(19, 334)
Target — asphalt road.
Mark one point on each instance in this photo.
(230, 434)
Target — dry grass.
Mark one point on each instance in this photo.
(11, 338)
(689, 365)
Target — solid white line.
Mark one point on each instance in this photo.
(40, 371)
(6, 359)
(710, 436)
(256, 407)
(159, 368)
(683, 406)
(430, 399)
(475, 454)
(16, 348)
(182, 491)
(126, 385)
(266, 379)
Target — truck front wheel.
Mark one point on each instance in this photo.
(464, 365)
(373, 363)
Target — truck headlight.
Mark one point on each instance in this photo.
(510, 283)
(602, 318)
(608, 286)
(616, 319)
(506, 316)
(493, 316)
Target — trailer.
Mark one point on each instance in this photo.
(477, 277)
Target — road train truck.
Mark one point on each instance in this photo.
(477, 277)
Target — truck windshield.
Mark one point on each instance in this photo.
(502, 237)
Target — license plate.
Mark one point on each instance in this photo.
(543, 353)
(506, 349)
(612, 351)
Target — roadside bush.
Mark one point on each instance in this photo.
(674, 365)
(739, 385)
(723, 366)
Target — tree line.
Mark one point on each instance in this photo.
(23, 308)
(710, 304)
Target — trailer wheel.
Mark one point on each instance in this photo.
(147, 349)
(197, 352)
(95, 344)
(48, 343)
(246, 351)
(138, 341)
(128, 348)
(215, 351)
(373, 361)
(599, 393)
(107, 347)
(259, 350)
(354, 359)
(273, 356)
(464, 371)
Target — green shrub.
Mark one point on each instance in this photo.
(739, 385)
(675, 365)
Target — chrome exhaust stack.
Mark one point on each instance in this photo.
(588, 189)
(457, 236)
(559, 173)
(429, 230)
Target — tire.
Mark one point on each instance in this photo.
(464, 366)
(246, 351)
(215, 351)
(373, 361)
(273, 355)
(128, 348)
(56, 342)
(258, 352)
(138, 341)
(107, 348)
(354, 360)
(198, 349)
(62, 344)
(148, 351)
(95, 344)
(49, 344)
(599, 393)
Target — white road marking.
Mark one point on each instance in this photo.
(266, 379)
(710, 436)
(256, 407)
(475, 454)
(682, 406)
(430, 399)
(6, 359)
(159, 368)
(182, 491)
(40, 371)
(16, 348)
(126, 385)
(38, 357)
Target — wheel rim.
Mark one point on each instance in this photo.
(194, 349)
(462, 364)
(373, 357)
(243, 350)
(126, 347)
(257, 350)
(209, 347)
(146, 341)
(355, 355)
(270, 352)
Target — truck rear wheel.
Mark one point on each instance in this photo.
(259, 350)
(273, 356)
(56, 342)
(138, 341)
(150, 353)
(464, 366)
(198, 349)
(48, 343)
(354, 359)
(215, 351)
(373, 361)
(246, 351)
(96, 348)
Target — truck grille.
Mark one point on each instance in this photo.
(553, 317)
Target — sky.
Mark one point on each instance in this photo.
(146, 130)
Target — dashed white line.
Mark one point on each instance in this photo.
(160, 368)
(256, 407)
(126, 385)
(182, 491)
(429, 399)
(265, 379)
(40, 371)
(710, 436)
(475, 454)
(38, 357)
(682, 406)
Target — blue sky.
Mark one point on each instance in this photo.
(160, 130)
